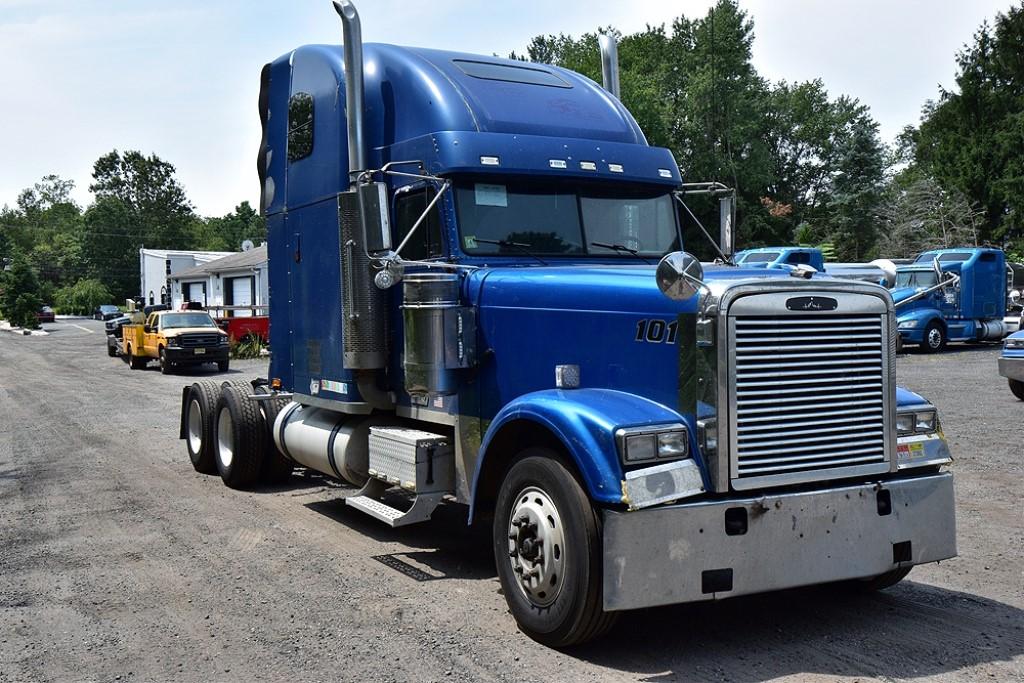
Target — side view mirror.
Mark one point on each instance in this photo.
(679, 275)
(938, 269)
(147, 329)
(374, 216)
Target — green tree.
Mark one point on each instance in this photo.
(19, 293)
(971, 139)
(229, 231)
(83, 297)
(147, 188)
(856, 189)
(139, 203)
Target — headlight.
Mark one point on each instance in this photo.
(173, 341)
(905, 423)
(907, 323)
(917, 422)
(1016, 343)
(672, 445)
(661, 442)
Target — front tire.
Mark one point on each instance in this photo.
(547, 546)
(165, 365)
(240, 437)
(934, 337)
(222, 366)
(1017, 387)
(111, 350)
(200, 435)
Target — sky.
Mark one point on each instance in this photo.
(180, 78)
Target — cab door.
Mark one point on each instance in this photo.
(151, 338)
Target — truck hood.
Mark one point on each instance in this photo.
(611, 288)
(902, 293)
(193, 330)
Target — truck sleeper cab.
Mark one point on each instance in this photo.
(471, 302)
(952, 295)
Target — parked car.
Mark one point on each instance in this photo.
(45, 315)
(1011, 363)
(106, 312)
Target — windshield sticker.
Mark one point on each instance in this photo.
(491, 195)
(469, 241)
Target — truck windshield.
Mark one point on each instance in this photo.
(760, 257)
(918, 279)
(170, 321)
(551, 219)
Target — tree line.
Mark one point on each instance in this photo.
(52, 251)
(810, 168)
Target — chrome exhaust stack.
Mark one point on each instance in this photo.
(352, 34)
(609, 63)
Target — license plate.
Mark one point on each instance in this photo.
(200, 351)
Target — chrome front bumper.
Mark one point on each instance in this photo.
(1012, 368)
(718, 549)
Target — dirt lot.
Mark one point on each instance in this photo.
(119, 562)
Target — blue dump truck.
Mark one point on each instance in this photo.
(478, 297)
(952, 295)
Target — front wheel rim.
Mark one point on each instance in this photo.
(225, 438)
(934, 338)
(536, 546)
(195, 427)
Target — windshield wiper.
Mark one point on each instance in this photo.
(620, 247)
(522, 246)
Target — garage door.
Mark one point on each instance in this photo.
(241, 294)
(195, 291)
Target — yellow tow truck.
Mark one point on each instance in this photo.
(175, 338)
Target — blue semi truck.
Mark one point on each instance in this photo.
(952, 295)
(478, 297)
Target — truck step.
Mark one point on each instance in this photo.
(367, 500)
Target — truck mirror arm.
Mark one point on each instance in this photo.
(721, 254)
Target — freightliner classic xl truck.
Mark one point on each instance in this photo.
(479, 296)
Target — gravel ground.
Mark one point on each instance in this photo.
(119, 562)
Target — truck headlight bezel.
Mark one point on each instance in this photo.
(173, 341)
(907, 324)
(1016, 343)
(917, 421)
(653, 443)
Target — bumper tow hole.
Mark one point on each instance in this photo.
(901, 552)
(736, 521)
(884, 503)
(716, 581)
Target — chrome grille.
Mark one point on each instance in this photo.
(191, 341)
(809, 396)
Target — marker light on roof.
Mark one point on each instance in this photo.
(615, 168)
(489, 161)
(556, 163)
(588, 165)
(664, 173)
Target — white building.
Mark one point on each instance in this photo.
(157, 265)
(236, 280)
